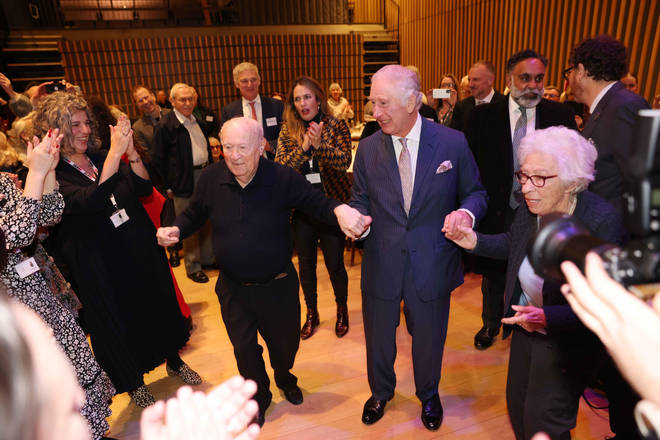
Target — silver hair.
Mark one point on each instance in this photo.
(253, 128)
(404, 80)
(243, 67)
(575, 156)
(178, 86)
(334, 86)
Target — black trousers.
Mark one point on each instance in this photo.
(544, 384)
(273, 310)
(308, 233)
(426, 322)
(492, 289)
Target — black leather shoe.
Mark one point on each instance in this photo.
(373, 410)
(341, 328)
(174, 259)
(199, 277)
(293, 394)
(485, 337)
(432, 413)
(311, 324)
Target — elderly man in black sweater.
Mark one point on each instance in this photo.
(248, 200)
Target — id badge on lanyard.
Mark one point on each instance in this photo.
(119, 217)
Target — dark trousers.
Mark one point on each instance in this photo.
(273, 310)
(492, 289)
(544, 385)
(426, 322)
(622, 400)
(307, 233)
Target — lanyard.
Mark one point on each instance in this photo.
(114, 202)
(91, 177)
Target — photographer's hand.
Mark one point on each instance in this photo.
(628, 327)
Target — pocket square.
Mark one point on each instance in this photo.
(444, 167)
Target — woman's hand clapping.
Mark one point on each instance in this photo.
(121, 136)
(42, 157)
(313, 136)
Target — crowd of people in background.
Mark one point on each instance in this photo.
(95, 212)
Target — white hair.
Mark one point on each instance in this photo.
(178, 86)
(334, 86)
(404, 80)
(575, 155)
(252, 128)
(243, 67)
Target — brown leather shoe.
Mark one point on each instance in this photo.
(311, 323)
(341, 328)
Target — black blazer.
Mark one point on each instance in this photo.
(602, 220)
(172, 154)
(489, 136)
(463, 108)
(610, 128)
(269, 108)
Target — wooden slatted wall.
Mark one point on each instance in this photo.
(449, 35)
(368, 11)
(110, 68)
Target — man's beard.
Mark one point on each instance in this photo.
(521, 99)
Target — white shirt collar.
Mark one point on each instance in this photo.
(487, 99)
(182, 119)
(415, 132)
(256, 100)
(602, 93)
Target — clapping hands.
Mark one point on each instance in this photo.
(312, 136)
(121, 137)
(42, 157)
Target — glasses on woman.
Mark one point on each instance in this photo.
(537, 181)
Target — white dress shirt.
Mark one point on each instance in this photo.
(247, 109)
(602, 93)
(197, 139)
(514, 115)
(486, 100)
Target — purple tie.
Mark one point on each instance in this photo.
(405, 172)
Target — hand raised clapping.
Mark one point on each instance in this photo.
(120, 136)
(42, 157)
(312, 136)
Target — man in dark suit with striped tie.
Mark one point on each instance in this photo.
(416, 179)
(267, 111)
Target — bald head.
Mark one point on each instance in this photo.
(243, 144)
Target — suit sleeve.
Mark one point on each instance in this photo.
(360, 190)
(471, 194)
(196, 213)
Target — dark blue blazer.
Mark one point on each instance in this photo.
(269, 108)
(435, 261)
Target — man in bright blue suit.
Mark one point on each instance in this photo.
(417, 180)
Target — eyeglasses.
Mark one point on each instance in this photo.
(537, 181)
(566, 71)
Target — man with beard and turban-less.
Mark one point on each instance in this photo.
(494, 132)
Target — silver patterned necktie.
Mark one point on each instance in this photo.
(405, 172)
(519, 132)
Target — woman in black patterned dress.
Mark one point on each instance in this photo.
(39, 204)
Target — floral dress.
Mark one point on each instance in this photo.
(19, 218)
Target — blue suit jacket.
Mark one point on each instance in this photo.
(435, 261)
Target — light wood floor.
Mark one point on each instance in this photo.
(332, 375)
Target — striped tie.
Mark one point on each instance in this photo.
(519, 132)
(405, 172)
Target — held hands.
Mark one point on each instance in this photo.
(351, 222)
(458, 228)
(168, 235)
(528, 317)
(120, 137)
(225, 413)
(312, 136)
(42, 157)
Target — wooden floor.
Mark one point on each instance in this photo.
(332, 375)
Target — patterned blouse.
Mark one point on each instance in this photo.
(333, 156)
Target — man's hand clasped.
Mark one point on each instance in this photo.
(351, 222)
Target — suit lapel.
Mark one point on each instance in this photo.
(388, 159)
(592, 123)
(425, 153)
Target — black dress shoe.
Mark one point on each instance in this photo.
(341, 328)
(199, 277)
(373, 410)
(293, 394)
(432, 413)
(311, 323)
(174, 259)
(485, 337)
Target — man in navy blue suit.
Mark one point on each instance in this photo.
(417, 180)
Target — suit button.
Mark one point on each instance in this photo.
(404, 251)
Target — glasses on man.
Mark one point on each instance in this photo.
(537, 181)
(566, 71)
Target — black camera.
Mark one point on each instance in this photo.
(637, 265)
(55, 87)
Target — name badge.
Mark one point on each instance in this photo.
(270, 122)
(313, 178)
(119, 217)
(209, 118)
(27, 267)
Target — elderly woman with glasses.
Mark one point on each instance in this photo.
(553, 355)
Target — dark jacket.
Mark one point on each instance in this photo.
(463, 108)
(172, 154)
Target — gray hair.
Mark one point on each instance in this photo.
(334, 86)
(244, 67)
(252, 128)
(575, 155)
(178, 86)
(404, 80)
